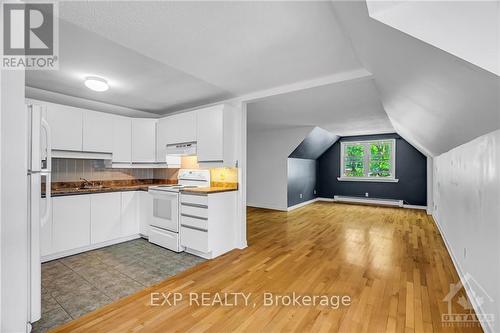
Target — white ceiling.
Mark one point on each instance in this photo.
(136, 81)
(164, 56)
(346, 108)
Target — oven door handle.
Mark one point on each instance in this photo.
(163, 194)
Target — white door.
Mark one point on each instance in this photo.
(165, 210)
(210, 134)
(66, 126)
(122, 139)
(179, 128)
(130, 213)
(105, 217)
(97, 132)
(144, 140)
(71, 222)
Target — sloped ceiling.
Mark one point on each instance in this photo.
(468, 29)
(435, 100)
(344, 108)
(314, 144)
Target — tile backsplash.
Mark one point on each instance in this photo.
(71, 170)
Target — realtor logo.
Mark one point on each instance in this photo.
(29, 35)
(461, 309)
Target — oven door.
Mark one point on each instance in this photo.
(165, 210)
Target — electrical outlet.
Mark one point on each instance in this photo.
(300, 195)
(366, 194)
(314, 191)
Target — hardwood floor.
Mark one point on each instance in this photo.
(391, 262)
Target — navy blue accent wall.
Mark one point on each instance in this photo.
(411, 170)
(314, 144)
(302, 174)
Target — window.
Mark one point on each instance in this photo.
(368, 160)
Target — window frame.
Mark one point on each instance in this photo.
(366, 162)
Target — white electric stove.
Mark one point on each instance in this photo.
(165, 220)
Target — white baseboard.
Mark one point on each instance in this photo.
(326, 199)
(415, 207)
(302, 204)
(71, 252)
(477, 308)
(266, 207)
(373, 201)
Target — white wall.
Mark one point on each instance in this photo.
(467, 210)
(14, 231)
(267, 153)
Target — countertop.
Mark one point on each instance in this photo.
(209, 190)
(72, 188)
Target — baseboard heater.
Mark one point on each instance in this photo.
(369, 201)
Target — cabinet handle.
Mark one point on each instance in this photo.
(194, 228)
(195, 217)
(194, 205)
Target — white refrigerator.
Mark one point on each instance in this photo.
(39, 168)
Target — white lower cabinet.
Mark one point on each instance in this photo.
(208, 223)
(70, 222)
(145, 212)
(88, 221)
(130, 213)
(105, 217)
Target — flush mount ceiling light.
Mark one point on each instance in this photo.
(96, 83)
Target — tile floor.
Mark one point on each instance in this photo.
(76, 285)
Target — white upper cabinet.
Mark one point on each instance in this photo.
(178, 128)
(66, 126)
(162, 137)
(210, 134)
(122, 140)
(97, 132)
(144, 140)
(216, 136)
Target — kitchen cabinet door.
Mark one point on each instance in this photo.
(97, 132)
(145, 212)
(144, 140)
(210, 134)
(105, 217)
(130, 214)
(179, 128)
(71, 222)
(66, 125)
(122, 140)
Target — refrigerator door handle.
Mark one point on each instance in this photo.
(48, 198)
(46, 127)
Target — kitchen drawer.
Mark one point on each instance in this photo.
(194, 199)
(164, 238)
(194, 210)
(194, 239)
(196, 222)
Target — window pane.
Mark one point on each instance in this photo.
(354, 160)
(380, 159)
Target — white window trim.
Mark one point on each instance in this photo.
(391, 179)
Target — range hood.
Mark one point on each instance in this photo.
(182, 149)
